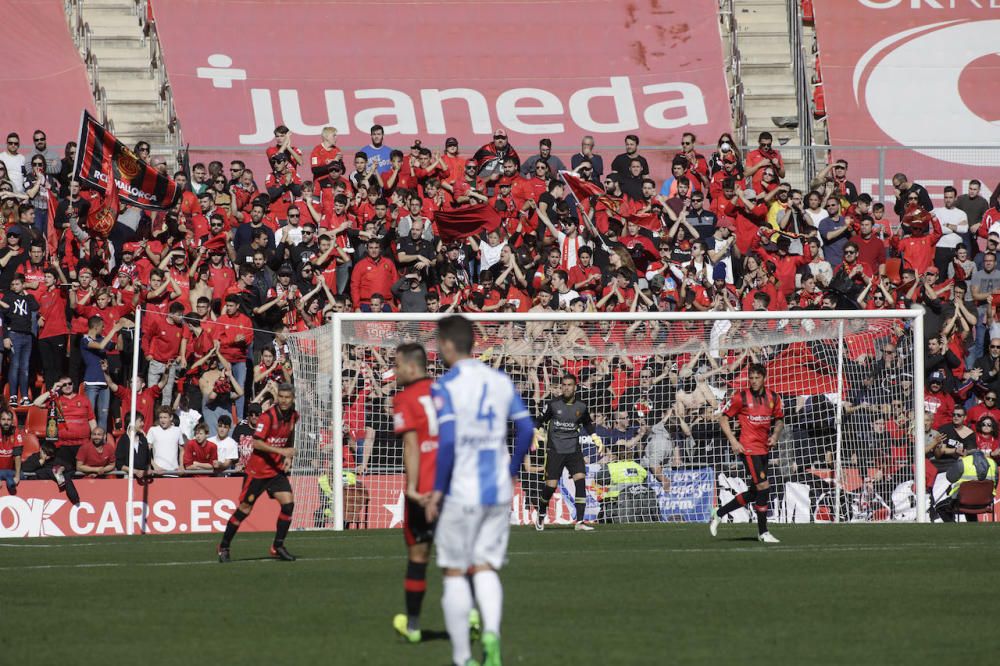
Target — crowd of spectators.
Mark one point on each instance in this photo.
(245, 260)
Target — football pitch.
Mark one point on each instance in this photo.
(871, 594)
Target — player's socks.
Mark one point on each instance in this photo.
(543, 501)
(231, 527)
(456, 602)
(489, 598)
(581, 499)
(284, 522)
(737, 502)
(415, 586)
(761, 508)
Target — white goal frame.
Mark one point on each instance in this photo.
(914, 315)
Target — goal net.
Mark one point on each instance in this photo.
(655, 384)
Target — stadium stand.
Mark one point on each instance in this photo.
(508, 218)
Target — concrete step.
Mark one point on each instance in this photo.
(745, 24)
(776, 87)
(773, 105)
(134, 108)
(121, 54)
(131, 95)
(129, 85)
(137, 125)
(748, 59)
(109, 4)
(764, 44)
(758, 14)
(106, 21)
(116, 42)
(116, 71)
(130, 138)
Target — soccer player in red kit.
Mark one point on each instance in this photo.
(415, 420)
(761, 420)
(267, 471)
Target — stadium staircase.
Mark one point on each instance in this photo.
(121, 51)
(771, 77)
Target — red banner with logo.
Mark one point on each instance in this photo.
(913, 73)
(435, 68)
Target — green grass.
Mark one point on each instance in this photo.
(876, 594)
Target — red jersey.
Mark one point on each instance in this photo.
(11, 446)
(757, 413)
(412, 410)
(941, 406)
(200, 453)
(77, 413)
(277, 433)
(92, 457)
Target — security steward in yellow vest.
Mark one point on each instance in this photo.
(976, 466)
(616, 478)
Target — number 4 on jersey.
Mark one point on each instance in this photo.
(488, 415)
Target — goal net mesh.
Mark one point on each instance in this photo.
(655, 389)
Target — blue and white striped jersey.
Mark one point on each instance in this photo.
(474, 402)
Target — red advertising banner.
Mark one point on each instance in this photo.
(45, 81)
(913, 73)
(558, 70)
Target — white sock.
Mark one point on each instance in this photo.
(456, 602)
(489, 598)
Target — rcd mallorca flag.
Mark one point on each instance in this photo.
(101, 157)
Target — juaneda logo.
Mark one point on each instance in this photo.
(911, 83)
(664, 106)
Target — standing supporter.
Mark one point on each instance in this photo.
(871, 249)
(147, 397)
(835, 232)
(763, 157)
(906, 191)
(954, 229)
(587, 154)
(622, 162)
(228, 450)
(235, 335)
(141, 459)
(165, 443)
(491, 156)
(161, 344)
(18, 309)
(93, 348)
(973, 204)
(324, 159)
(376, 153)
(200, 454)
(544, 154)
(374, 274)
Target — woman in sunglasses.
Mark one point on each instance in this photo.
(37, 185)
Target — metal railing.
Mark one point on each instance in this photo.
(165, 98)
(83, 39)
(737, 96)
(802, 88)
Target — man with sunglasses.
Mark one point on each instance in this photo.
(14, 161)
(696, 162)
(587, 154)
(53, 160)
(909, 193)
(835, 232)
(989, 405)
(764, 156)
(491, 156)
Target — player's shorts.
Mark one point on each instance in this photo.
(253, 487)
(555, 462)
(756, 467)
(416, 529)
(472, 535)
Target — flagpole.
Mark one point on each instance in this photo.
(133, 435)
(80, 143)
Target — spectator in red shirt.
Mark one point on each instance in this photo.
(323, 158)
(200, 453)
(234, 332)
(374, 274)
(764, 156)
(161, 343)
(96, 457)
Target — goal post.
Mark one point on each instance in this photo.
(655, 384)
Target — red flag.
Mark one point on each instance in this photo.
(51, 234)
(100, 158)
(101, 219)
(458, 223)
(581, 189)
(650, 221)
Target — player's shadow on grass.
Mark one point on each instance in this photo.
(742, 538)
(433, 635)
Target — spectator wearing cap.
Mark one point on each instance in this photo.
(910, 194)
(544, 153)
(490, 156)
(587, 154)
(11, 258)
(917, 239)
(622, 162)
(453, 161)
(832, 181)
(937, 401)
(700, 218)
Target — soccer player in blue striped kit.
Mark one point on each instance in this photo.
(473, 486)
